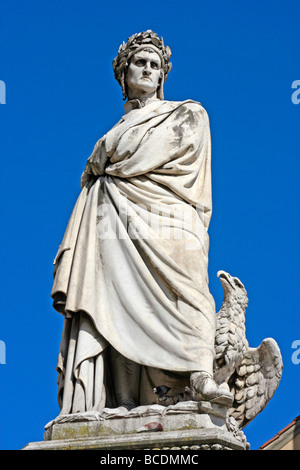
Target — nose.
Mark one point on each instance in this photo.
(147, 69)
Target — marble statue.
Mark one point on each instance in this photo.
(251, 374)
(130, 275)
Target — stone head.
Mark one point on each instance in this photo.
(142, 62)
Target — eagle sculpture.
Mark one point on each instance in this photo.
(251, 374)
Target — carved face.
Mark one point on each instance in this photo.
(143, 74)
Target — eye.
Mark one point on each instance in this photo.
(140, 62)
(154, 65)
(238, 282)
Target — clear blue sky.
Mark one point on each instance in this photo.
(239, 59)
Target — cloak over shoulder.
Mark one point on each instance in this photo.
(135, 253)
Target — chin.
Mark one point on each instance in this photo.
(147, 89)
(146, 86)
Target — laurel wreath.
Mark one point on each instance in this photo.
(134, 42)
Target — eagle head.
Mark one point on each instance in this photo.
(234, 288)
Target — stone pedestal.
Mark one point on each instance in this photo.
(187, 425)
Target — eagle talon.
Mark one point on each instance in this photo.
(208, 390)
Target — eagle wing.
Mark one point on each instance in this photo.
(255, 380)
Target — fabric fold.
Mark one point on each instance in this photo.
(135, 253)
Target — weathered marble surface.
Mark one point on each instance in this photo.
(131, 278)
(131, 275)
(182, 416)
(185, 425)
(203, 439)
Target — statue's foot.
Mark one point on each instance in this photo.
(207, 389)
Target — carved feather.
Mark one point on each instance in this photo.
(252, 374)
(230, 341)
(255, 381)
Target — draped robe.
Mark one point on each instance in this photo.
(131, 273)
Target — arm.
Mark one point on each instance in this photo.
(95, 164)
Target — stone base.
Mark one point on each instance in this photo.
(187, 425)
